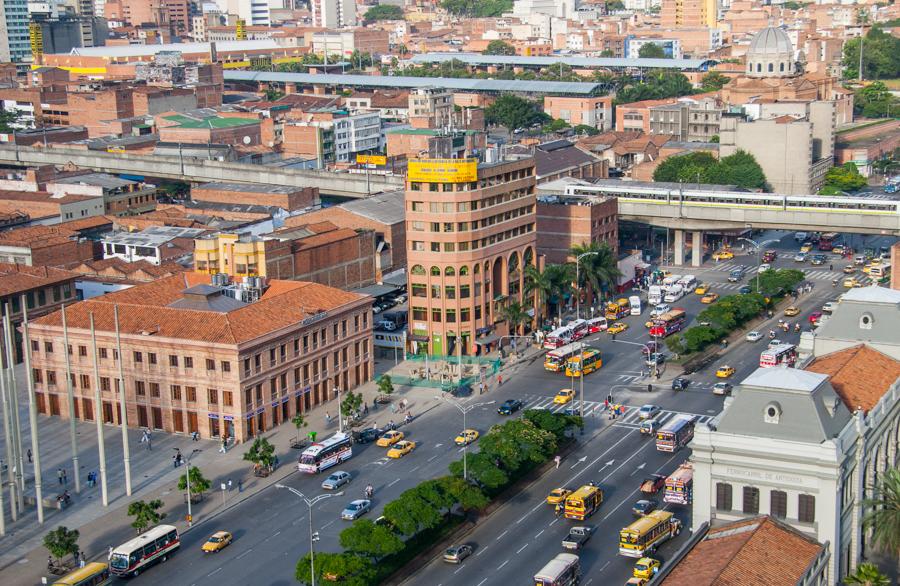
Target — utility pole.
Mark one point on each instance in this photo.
(18, 465)
(70, 398)
(7, 435)
(862, 16)
(123, 411)
(98, 415)
(32, 415)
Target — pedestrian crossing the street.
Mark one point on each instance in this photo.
(631, 417)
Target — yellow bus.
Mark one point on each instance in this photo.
(582, 503)
(92, 574)
(592, 361)
(642, 537)
(555, 360)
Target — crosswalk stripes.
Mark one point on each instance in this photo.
(631, 417)
(814, 274)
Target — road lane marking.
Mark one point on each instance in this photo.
(299, 520)
(393, 482)
(328, 525)
(521, 548)
(482, 550)
(499, 537)
(243, 554)
(553, 522)
(458, 570)
(276, 534)
(604, 566)
(630, 494)
(216, 571)
(438, 445)
(500, 567)
(482, 582)
(416, 468)
(539, 534)
(433, 457)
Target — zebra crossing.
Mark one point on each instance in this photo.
(630, 418)
(814, 274)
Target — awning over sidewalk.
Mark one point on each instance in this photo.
(489, 339)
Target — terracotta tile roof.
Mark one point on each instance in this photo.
(39, 236)
(16, 278)
(861, 375)
(139, 271)
(145, 309)
(761, 551)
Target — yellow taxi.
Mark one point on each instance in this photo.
(792, 311)
(723, 255)
(724, 371)
(806, 247)
(701, 289)
(637, 582)
(564, 396)
(617, 328)
(401, 448)
(466, 437)
(389, 438)
(851, 282)
(558, 496)
(849, 269)
(646, 568)
(709, 298)
(648, 324)
(217, 542)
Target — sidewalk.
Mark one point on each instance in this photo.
(23, 559)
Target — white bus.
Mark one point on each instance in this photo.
(880, 271)
(655, 295)
(580, 328)
(780, 355)
(559, 337)
(555, 360)
(673, 294)
(563, 570)
(635, 302)
(151, 546)
(687, 281)
(326, 453)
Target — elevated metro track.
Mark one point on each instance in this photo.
(201, 170)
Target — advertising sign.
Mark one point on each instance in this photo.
(443, 170)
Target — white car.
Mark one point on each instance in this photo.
(801, 257)
(356, 509)
(829, 307)
(775, 342)
(336, 480)
(754, 336)
(648, 411)
(764, 267)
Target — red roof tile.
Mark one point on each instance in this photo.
(861, 375)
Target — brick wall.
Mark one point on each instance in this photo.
(560, 227)
(344, 259)
(300, 140)
(295, 200)
(393, 235)
(87, 109)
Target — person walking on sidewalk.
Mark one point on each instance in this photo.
(557, 460)
(240, 485)
(29, 455)
(65, 478)
(59, 475)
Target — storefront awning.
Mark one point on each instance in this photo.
(489, 339)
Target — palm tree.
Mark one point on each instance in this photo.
(561, 277)
(515, 315)
(599, 269)
(538, 286)
(883, 516)
(867, 575)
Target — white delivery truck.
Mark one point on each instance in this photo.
(673, 294)
(654, 295)
(635, 302)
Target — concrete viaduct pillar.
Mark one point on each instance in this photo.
(679, 247)
(697, 248)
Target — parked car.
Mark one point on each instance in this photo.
(336, 480)
(754, 336)
(509, 406)
(356, 509)
(457, 553)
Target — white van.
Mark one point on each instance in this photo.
(673, 294)
(654, 295)
(800, 236)
(670, 280)
(687, 281)
(635, 303)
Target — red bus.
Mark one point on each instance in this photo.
(151, 546)
(780, 355)
(826, 241)
(668, 323)
(680, 485)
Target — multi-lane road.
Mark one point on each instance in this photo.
(271, 529)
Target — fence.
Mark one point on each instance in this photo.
(443, 372)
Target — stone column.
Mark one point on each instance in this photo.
(697, 248)
(679, 247)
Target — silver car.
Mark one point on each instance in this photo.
(356, 509)
(336, 480)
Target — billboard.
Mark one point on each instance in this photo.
(371, 160)
(443, 170)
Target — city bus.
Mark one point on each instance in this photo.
(591, 358)
(645, 535)
(780, 355)
(559, 337)
(675, 434)
(151, 546)
(668, 323)
(580, 328)
(563, 570)
(555, 360)
(326, 453)
(618, 310)
(92, 574)
(680, 485)
(596, 324)
(826, 241)
(582, 503)
(881, 271)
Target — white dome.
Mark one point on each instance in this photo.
(771, 41)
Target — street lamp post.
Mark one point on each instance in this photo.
(313, 537)
(759, 247)
(340, 410)
(187, 476)
(465, 410)
(578, 281)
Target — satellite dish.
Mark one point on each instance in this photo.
(247, 140)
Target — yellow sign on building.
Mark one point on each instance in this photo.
(36, 37)
(371, 160)
(443, 170)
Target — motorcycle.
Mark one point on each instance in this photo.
(771, 334)
(369, 492)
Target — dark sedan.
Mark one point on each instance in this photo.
(509, 407)
(680, 384)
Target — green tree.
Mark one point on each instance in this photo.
(556, 423)
(481, 469)
(676, 344)
(614, 6)
(463, 494)
(652, 51)
(175, 189)
(875, 101)
(599, 269)
(713, 81)
(146, 514)
(346, 569)
(366, 538)
(538, 286)
(585, 129)
(271, 94)
(844, 178)
(517, 443)
(413, 511)
(883, 514)
(556, 125)
(516, 315)
(8, 120)
(739, 169)
(350, 403)
(511, 112)
(477, 8)
(654, 86)
(385, 384)
(384, 12)
(61, 542)
(607, 53)
(299, 422)
(881, 56)
(867, 575)
(699, 337)
(199, 483)
(261, 453)
(778, 282)
(498, 47)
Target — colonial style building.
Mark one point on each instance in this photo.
(203, 354)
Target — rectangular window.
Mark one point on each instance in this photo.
(451, 316)
(151, 357)
(226, 366)
(173, 360)
(419, 313)
(139, 388)
(248, 397)
(188, 362)
(191, 394)
(807, 509)
(102, 352)
(778, 501)
(212, 396)
(35, 346)
(82, 350)
(154, 390)
(175, 390)
(104, 383)
(138, 357)
(723, 496)
(751, 500)
(37, 375)
(210, 364)
(226, 398)
(436, 315)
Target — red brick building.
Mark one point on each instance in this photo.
(199, 360)
(53, 245)
(567, 221)
(284, 197)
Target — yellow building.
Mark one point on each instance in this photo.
(689, 13)
(227, 253)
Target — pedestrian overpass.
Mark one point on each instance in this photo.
(706, 208)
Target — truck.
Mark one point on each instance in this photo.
(577, 537)
(674, 293)
(655, 294)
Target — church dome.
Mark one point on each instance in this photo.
(771, 41)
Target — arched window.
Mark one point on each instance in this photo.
(449, 271)
(771, 67)
(758, 67)
(477, 268)
(528, 256)
(464, 271)
(417, 270)
(782, 66)
(435, 271)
